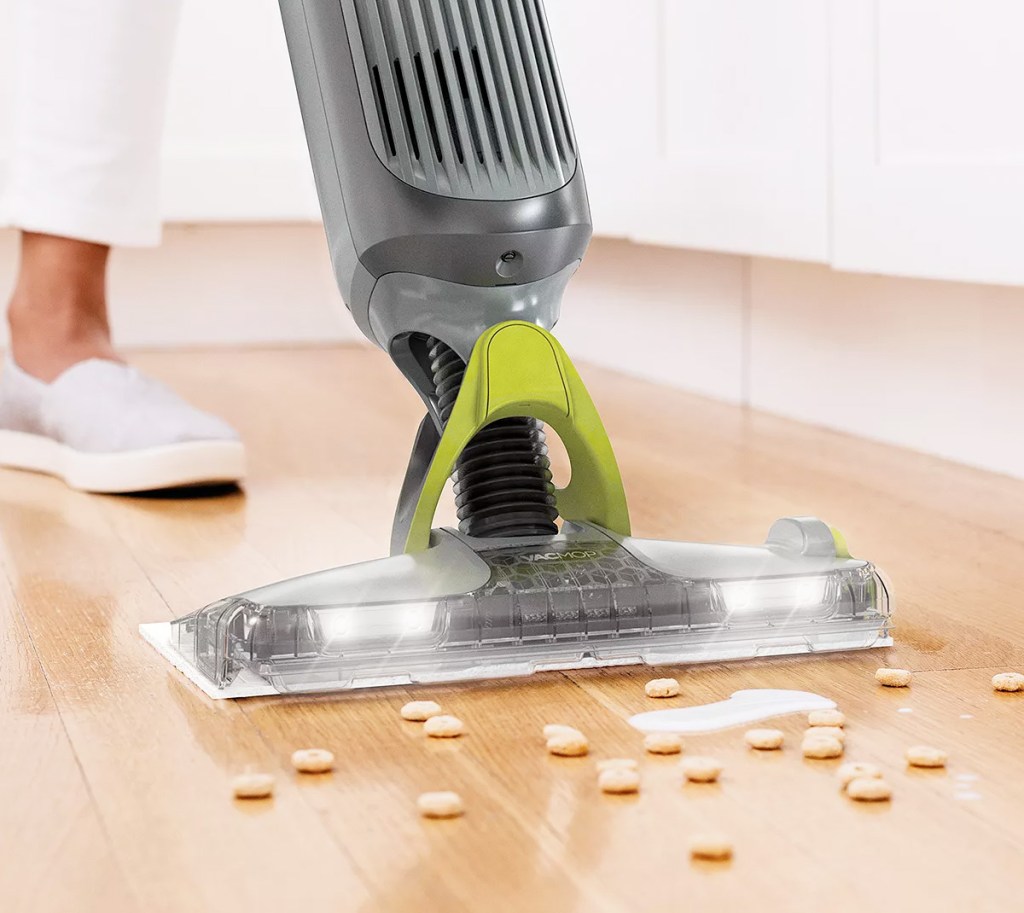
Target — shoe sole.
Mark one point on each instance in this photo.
(154, 468)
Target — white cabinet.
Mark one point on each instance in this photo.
(702, 123)
(7, 45)
(610, 69)
(928, 138)
(234, 148)
(744, 107)
(874, 135)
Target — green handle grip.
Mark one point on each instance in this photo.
(518, 369)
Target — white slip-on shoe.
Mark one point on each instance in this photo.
(104, 427)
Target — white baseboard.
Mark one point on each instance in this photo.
(667, 315)
(230, 285)
(928, 365)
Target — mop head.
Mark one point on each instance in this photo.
(456, 210)
(469, 609)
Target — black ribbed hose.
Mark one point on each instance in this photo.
(502, 479)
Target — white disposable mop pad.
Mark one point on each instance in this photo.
(247, 684)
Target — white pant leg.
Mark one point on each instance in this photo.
(91, 87)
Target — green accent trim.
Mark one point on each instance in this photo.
(842, 549)
(518, 369)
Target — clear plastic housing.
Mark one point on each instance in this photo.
(581, 599)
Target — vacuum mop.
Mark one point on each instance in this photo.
(456, 212)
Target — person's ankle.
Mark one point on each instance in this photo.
(47, 338)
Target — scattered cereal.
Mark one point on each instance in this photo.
(569, 744)
(663, 743)
(820, 748)
(420, 711)
(855, 770)
(827, 732)
(869, 789)
(617, 764)
(444, 727)
(313, 760)
(440, 805)
(926, 756)
(662, 687)
(701, 770)
(1008, 681)
(893, 678)
(619, 780)
(826, 718)
(252, 786)
(764, 739)
(711, 846)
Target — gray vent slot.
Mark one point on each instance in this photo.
(462, 97)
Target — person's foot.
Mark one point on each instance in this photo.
(58, 310)
(102, 426)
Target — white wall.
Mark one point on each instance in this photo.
(929, 365)
(928, 139)
(880, 137)
(219, 285)
(934, 366)
(920, 363)
(234, 146)
(6, 84)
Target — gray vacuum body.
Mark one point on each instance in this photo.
(456, 214)
(445, 163)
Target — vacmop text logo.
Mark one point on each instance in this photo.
(578, 555)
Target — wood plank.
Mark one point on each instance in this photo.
(979, 842)
(368, 804)
(52, 829)
(157, 757)
(329, 431)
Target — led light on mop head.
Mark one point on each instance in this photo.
(468, 609)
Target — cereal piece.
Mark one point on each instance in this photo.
(619, 780)
(869, 789)
(893, 678)
(855, 770)
(827, 732)
(443, 727)
(662, 687)
(569, 745)
(701, 770)
(663, 743)
(826, 718)
(553, 729)
(617, 764)
(253, 786)
(313, 760)
(1008, 681)
(764, 739)
(440, 805)
(821, 748)
(420, 711)
(711, 846)
(926, 756)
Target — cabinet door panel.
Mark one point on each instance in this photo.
(608, 58)
(928, 136)
(744, 135)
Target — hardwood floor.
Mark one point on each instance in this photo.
(114, 771)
